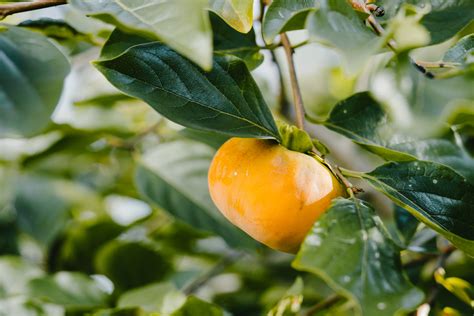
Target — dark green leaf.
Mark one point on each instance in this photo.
(350, 249)
(119, 41)
(183, 25)
(131, 264)
(59, 30)
(71, 290)
(174, 176)
(105, 100)
(77, 249)
(237, 13)
(363, 120)
(433, 193)
(226, 99)
(406, 223)
(286, 15)
(32, 75)
(215, 140)
(119, 312)
(195, 306)
(229, 41)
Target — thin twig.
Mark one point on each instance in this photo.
(215, 270)
(328, 302)
(297, 97)
(12, 8)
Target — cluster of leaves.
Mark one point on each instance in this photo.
(107, 212)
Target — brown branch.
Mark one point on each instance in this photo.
(297, 97)
(12, 8)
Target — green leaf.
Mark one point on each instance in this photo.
(174, 176)
(131, 264)
(350, 249)
(59, 30)
(70, 289)
(159, 298)
(119, 312)
(15, 274)
(183, 25)
(228, 41)
(77, 249)
(406, 224)
(119, 41)
(24, 306)
(41, 209)
(195, 306)
(337, 24)
(366, 122)
(236, 13)
(433, 193)
(33, 72)
(445, 19)
(212, 139)
(286, 15)
(462, 52)
(226, 99)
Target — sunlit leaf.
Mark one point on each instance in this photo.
(237, 13)
(350, 249)
(183, 25)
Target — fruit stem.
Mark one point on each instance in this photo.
(297, 97)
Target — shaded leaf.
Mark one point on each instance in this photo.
(406, 224)
(30, 61)
(228, 41)
(195, 306)
(350, 249)
(174, 176)
(237, 13)
(433, 193)
(285, 15)
(131, 264)
(462, 52)
(226, 99)
(183, 25)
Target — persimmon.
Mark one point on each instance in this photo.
(272, 193)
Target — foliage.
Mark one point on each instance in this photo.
(111, 112)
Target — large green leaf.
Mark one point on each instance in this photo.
(226, 99)
(131, 264)
(72, 290)
(350, 249)
(462, 52)
(337, 24)
(174, 176)
(32, 75)
(286, 15)
(237, 13)
(181, 24)
(365, 121)
(433, 193)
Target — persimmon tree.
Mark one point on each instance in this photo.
(112, 111)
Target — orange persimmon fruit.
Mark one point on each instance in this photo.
(272, 193)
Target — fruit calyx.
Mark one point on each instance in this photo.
(294, 139)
